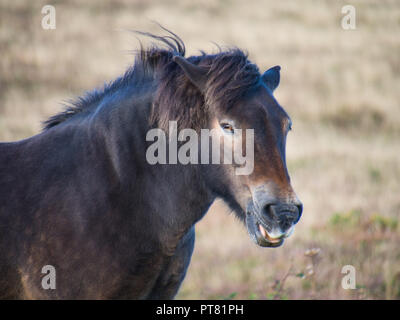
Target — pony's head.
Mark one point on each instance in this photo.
(238, 101)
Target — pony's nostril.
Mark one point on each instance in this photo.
(300, 209)
(285, 215)
(269, 212)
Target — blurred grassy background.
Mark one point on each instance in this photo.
(341, 88)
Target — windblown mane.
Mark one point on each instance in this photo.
(231, 76)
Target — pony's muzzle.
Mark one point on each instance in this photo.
(269, 225)
(284, 216)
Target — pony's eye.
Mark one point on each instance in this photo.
(227, 127)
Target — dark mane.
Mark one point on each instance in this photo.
(231, 77)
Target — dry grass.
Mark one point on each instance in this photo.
(342, 89)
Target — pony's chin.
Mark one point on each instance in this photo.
(259, 234)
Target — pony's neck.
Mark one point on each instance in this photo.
(186, 197)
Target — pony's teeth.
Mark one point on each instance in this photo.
(263, 231)
(266, 235)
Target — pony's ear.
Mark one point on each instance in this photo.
(196, 74)
(271, 77)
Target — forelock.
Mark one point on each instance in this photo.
(231, 77)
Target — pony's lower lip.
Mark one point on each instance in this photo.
(259, 235)
(267, 237)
